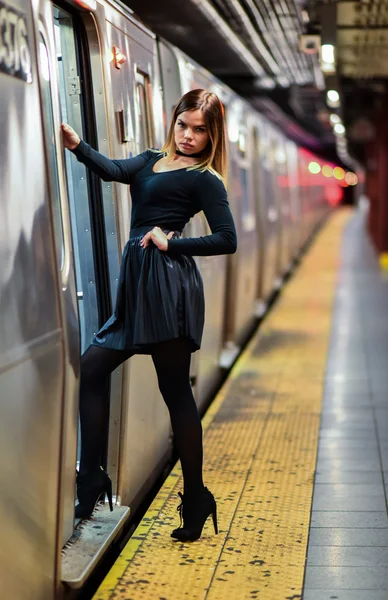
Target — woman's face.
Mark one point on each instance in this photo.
(190, 132)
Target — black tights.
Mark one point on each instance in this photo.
(172, 364)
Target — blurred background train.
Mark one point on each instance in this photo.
(92, 64)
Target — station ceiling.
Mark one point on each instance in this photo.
(269, 52)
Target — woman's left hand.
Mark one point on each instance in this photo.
(158, 237)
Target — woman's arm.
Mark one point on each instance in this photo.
(212, 198)
(107, 169)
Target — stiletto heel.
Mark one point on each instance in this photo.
(108, 491)
(194, 511)
(214, 515)
(90, 488)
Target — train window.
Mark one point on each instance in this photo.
(45, 85)
(247, 208)
(145, 137)
(142, 137)
(242, 144)
(70, 89)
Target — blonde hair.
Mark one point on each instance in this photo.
(215, 157)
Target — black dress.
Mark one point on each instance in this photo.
(160, 294)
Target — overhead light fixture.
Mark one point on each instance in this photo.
(266, 83)
(327, 53)
(351, 178)
(309, 44)
(282, 81)
(339, 128)
(327, 171)
(333, 95)
(314, 168)
(328, 59)
(335, 118)
(339, 173)
(333, 98)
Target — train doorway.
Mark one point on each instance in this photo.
(85, 202)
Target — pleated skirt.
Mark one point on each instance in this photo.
(159, 298)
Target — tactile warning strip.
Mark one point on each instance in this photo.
(261, 437)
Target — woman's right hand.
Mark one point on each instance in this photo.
(70, 137)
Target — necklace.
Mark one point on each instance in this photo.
(195, 155)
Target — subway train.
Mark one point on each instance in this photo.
(91, 63)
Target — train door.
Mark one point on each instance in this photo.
(271, 212)
(247, 259)
(136, 122)
(282, 187)
(260, 217)
(305, 195)
(295, 208)
(85, 207)
(73, 53)
(69, 97)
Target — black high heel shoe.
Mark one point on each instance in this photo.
(90, 488)
(194, 511)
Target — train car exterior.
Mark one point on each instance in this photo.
(31, 326)
(92, 64)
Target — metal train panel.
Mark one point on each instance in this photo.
(281, 185)
(31, 358)
(292, 184)
(270, 211)
(244, 269)
(56, 173)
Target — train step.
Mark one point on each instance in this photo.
(89, 543)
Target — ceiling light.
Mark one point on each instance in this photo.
(267, 83)
(283, 81)
(351, 178)
(327, 171)
(339, 173)
(333, 99)
(333, 95)
(327, 59)
(327, 53)
(314, 168)
(339, 128)
(335, 118)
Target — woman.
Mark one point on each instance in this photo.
(160, 301)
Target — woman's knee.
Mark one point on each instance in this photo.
(97, 363)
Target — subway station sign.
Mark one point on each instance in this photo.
(15, 55)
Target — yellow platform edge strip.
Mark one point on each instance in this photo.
(260, 443)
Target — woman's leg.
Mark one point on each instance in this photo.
(96, 365)
(172, 363)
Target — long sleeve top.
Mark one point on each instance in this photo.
(170, 199)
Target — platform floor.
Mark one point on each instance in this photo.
(296, 444)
